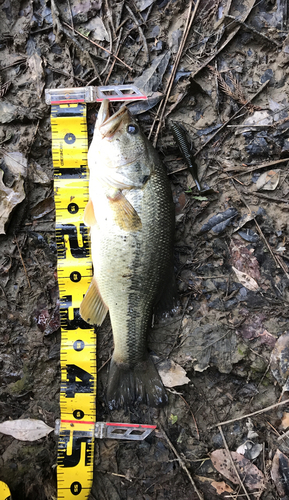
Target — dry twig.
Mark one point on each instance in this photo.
(182, 463)
(279, 262)
(232, 118)
(118, 45)
(268, 408)
(99, 46)
(145, 46)
(172, 391)
(21, 258)
(162, 106)
(233, 463)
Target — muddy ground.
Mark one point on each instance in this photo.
(231, 254)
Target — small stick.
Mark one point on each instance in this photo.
(118, 45)
(232, 117)
(182, 463)
(163, 104)
(250, 28)
(268, 408)
(172, 391)
(270, 198)
(66, 74)
(245, 170)
(233, 463)
(279, 263)
(71, 16)
(145, 46)
(99, 46)
(20, 254)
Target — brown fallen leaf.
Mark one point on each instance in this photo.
(280, 361)
(172, 374)
(26, 429)
(246, 280)
(42, 208)
(243, 259)
(9, 198)
(280, 473)
(251, 476)
(36, 72)
(285, 421)
(268, 180)
(222, 487)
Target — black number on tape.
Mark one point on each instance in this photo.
(70, 230)
(61, 111)
(77, 321)
(70, 172)
(72, 208)
(73, 386)
(78, 437)
(75, 488)
(78, 414)
(75, 276)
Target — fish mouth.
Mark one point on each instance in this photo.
(107, 124)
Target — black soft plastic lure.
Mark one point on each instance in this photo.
(180, 136)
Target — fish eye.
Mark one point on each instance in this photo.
(132, 129)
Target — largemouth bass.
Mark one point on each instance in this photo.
(131, 219)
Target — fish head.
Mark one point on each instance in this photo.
(119, 151)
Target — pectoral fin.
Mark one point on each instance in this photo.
(92, 309)
(124, 214)
(89, 216)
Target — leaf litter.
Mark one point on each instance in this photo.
(231, 273)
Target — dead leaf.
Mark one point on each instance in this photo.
(36, 71)
(151, 78)
(250, 450)
(280, 361)
(25, 429)
(222, 487)
(251, 476)
(143, 4)
(246, 280)
(285, 421)
(259, 118)
(172, 374)
(97, 29)
(280, 473)
(268, 180)
(9, 198)
(42, 208)
(38, 175)
(243, 259)
(16, 163)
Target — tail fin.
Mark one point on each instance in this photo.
(140, 383)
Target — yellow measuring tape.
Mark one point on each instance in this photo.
(78, 339)
(4, 492)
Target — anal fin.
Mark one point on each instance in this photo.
(92, 309)
(124, 214)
